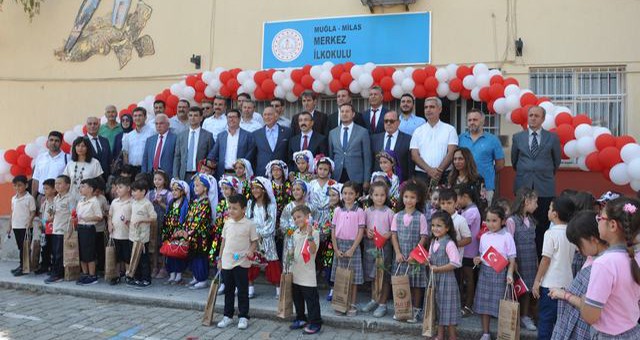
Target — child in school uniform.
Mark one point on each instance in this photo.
(491, 284)
(142, 216)
(239, 243)
(160, 196)
(118, 223)
(471, 214)
(347, 232)
(89, 213)
(101, 226)
(408, 229)
(23, 211)
(46, 219)
(62, 206)
(379, 217)
(198, 227)
(443, 259)
(554, 270)
(582, 231)
(611, 303)
(448, 200)
(305, 288)
(522, 226)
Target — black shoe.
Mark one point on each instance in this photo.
(115, 281)
(16, 269)
(53, 279)
(81, 280)
(143, 284)
(41, 271)
(18, 273)
(130, 281)
(90, 280)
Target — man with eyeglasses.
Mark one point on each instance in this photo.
(278, 105)
(111, 128)
(207, 108)
(218, 122)
(395, 140)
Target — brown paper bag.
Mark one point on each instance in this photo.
(35, 254)
(342, 291)
(402, 296)
(71, 253)
(209, 308)
(376, 290)
(509, 316)
(285, 302)
(26, 252)
(72, 273)
(110, 263)
(429, 319)
(136, 254)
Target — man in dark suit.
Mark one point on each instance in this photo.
(393, 139)
(350, 149)
(307, 139)
(272, 141)
(374, 115)
(319, 118)
(160, 148)
(342, 97)
(101, 147)
(233, 143)
(535, 157)
(192, 146)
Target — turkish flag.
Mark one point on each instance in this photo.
(520, 287)
(305, 252)
(483, 229)
(378, 238)
(419, 254)
(494, 259)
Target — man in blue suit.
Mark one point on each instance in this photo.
(350, 149)
(374, 115)
(101, 147)
(159, 148)
(272, 141)
(232, 144)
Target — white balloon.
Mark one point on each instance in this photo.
(482, 80)
(288, 84)
(41, 142)
(500, 106)
(355, 87)
(508, 116)
(599, 130)
(442, 89)
(582, 163)
(317, 86)
(398, 77)
(365, 80)
(316, 71)
(209, 91)
(475, 94)
(326, 77)
(291, 98)
(150, 99)
(218, 70)
(31, 150)
(586, 145)
(549, 108)
(442, 75)
(279, 92)
(630, 152)
(207, 76)
(511, 90)
(480, 69)
(368, 67)
(408, 84)
(619, 174)
(549, 122)
(469, 82)
(78, 130)
(635, 184)
(451, 70)
(356, 71)
(583, 130)
(396, 91)
(278, 77)
(215, 84)
(633, 169)
(243, 76)
(4, 166)
(328, 91)
(453, 95)
(69, 136)
(250, 86)
(513, 102)
(189, 92)
(494, 72)
(559, 109)
(175, 89)
(571, 149)
(408, 72)
(364, 93)
(327, 65)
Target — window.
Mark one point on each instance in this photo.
(600, 92)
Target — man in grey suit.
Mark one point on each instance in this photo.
(350, 149)
(535, 156)
(233, 143)
(192, 146)
(159, 149)
(272, 141)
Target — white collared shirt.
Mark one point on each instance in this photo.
(251, 125)
(308, 134)
(375, 115)
(231, 154)
(195, 146)
(178, 126)
(133, 144)
(394, 139)
(349, 130)
(48, 166)
(95, 140)
(432, 142)
(215, 125)
(164, 140)
(538, 136)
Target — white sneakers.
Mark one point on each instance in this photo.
(486, 336)
(221, 288)
(370, 306)
(243, 323)
(528, 323)
(252, 292)
(200, 285)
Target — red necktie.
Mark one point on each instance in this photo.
(156, 157)
(305, 143)
(373, 120)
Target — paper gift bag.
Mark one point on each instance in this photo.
(209, 308)
(402, 296)
(35, 254)
(285, 302)
(509, 316)
(342, 291)
(136, 254)
(376, 290)
(71, 253)
(110, 261)
(26, 252)
(429, 328)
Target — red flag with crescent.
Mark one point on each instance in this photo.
(419, 254)
(494, 259)
(483, 229)
(520, 287)
(305, 252)
(378, 238)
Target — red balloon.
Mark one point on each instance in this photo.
(387, 96)
(335, 85)
(490, 107)
(306, 69)
(463, 71)
(336, 71)
(581, 119)
(298, 89)
(200, 86)
(466, 94)
(17, 170)
(517, 117)
(235, 71)
(166, 93)
(132, 107)
(224, 91)
(419, 91)
(609, 156)
(259, 94)
(124, 112)
(65, 147)
(430, 70)
(388, 71)
(528, 99)
(307, 81)
(191, 81)
(225, 76)
(24, 161)
(347, 66)
(484, 94)
(268, 86)
(172, 101)
(543, 99)
(455, 85)
(260, 76)
(11, 156)
(565, 133)
(497, 79)
(20, 149)
(198, 97)
(386, 83)
(496, 90)
(510, 81)
(431, 84)
(270, 72)
(169, 111)
(378, 73)
(624, 140)
(419, 76)
(606, 173)
(593, 162)
(84, 129)
(233, 85)
(161, 97)
(346, 79)
(604, 141)
(563, 118)
(296, 75)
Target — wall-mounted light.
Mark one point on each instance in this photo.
(519, 46)
(195, 60)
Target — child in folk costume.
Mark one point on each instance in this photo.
(305, 167)
(229, 186)
(261, 209)
(389, 167)
(278, 172)
(319, 191)
(198, 226)
(348, 225)
(491, 284)
(160, 196)
(299, 193)
(173, 228)
(408, 229)
(523, 228)
(443, 260)
(582, 231)
(379, 218)
(611, 303)
(244, 174)
(324, 260)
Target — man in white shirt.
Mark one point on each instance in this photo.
(49, 164)
(278, 105)
(133, 142)
(232, 144)
(180, 122)
(247, 121)
(218, 122)
(433, 144)
(243, 98)
(192, 146)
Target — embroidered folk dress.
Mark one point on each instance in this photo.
(265, 227)
(198, 225)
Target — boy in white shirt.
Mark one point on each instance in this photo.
(142, 215)
(448, 200)
(89, 213)
(23, 210)
(119, 217)
(63, 203)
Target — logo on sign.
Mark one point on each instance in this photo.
(287, 45)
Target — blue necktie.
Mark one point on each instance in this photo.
(388, 145)
(190, 151)
(534, 144)
(345, 139)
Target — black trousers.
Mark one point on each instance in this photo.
(237, 277)
(542, 221)
(143, 271)
(19, 235)
(45, 253)
(57, 251)
(307, 295)
(99, 251)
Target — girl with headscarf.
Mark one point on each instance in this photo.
(172, 230)
(299, 193)
(198, 226)
(305, 165)
(324, 260)
(244, 174)
(390, 169)
(277, 171)
(319, 193)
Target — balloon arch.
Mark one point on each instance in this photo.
(593, 147)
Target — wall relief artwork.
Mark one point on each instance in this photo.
(120, 31)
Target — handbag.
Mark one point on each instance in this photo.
(175, 249)
(26, 252)
(110, 262)
(429, 319)
(509, 315)
(209, 308)
(285, 301)
(402, 295)
(342, 289)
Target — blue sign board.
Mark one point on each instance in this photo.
(390, 39)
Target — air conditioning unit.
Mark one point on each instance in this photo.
(373, 3)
